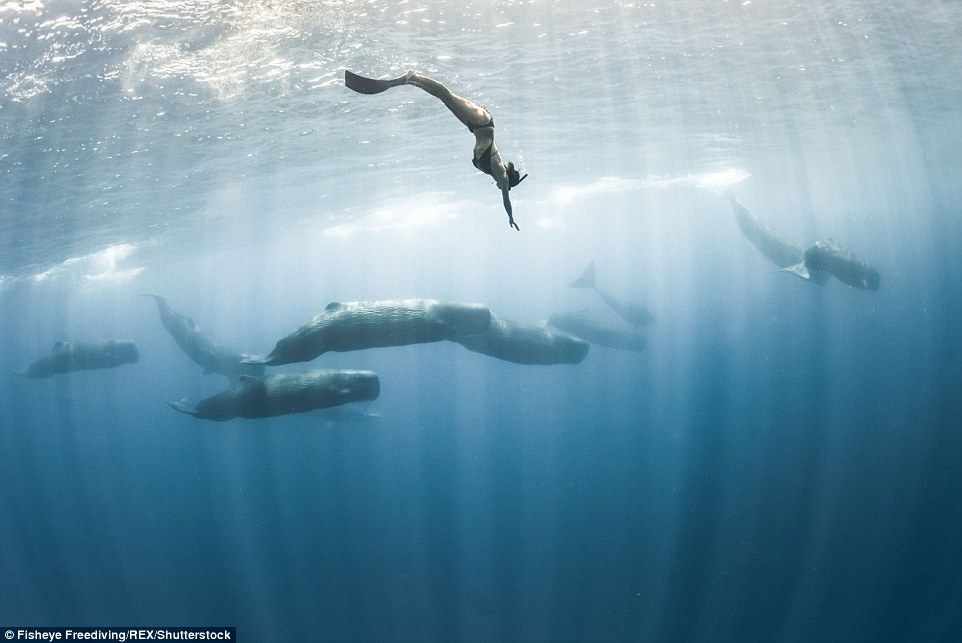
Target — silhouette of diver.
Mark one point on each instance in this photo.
(477, 119)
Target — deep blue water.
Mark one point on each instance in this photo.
(781, 462)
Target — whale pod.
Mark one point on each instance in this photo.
(359, 325)
(513, 342)
(284, 393)
(70, 356)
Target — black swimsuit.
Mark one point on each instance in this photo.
(472, 128)
(483, 163)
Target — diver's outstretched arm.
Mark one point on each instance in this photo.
(507, 208)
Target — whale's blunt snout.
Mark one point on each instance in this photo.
(467, 319)
(578, 351)
(366, 385)
(126, 350)
(373, 389)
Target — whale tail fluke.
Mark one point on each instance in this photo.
(363, 85)
(184, 406)
(587, 278)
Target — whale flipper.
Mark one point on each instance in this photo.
(819, 277)
(184, 406)
(799, 269)
(363, 85)
(587, 278)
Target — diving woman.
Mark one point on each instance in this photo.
(475, 117)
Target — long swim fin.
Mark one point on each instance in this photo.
(363, 85)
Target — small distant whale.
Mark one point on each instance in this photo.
(634, 314)
(69, 356)
(777, 250)
(359, 325)
(816, 264)
(284, 393)
(586, 327)
(193, 341)
(827, 258)
(519, 344)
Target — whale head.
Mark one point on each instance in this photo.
(357, 385)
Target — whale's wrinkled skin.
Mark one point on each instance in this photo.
(373, 324)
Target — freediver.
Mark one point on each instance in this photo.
(478, 120)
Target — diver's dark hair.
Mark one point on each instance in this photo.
(514, 176)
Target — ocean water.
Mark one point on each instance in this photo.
(781, 462)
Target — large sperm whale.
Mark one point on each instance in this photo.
(198, 346)
(70, 356)
(284, 393)
(358, 325)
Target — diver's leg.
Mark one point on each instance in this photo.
(468, 112)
